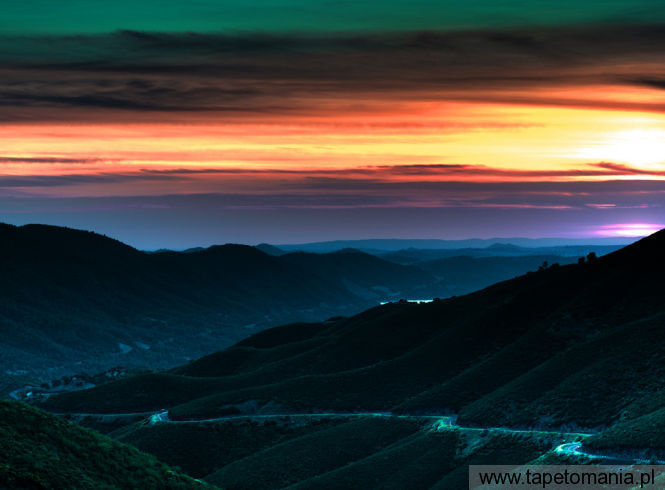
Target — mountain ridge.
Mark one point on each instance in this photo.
(394, 244)
(573, 350)
(348, 351)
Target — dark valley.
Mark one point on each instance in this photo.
(561, 365)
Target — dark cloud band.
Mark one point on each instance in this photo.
(153, 72)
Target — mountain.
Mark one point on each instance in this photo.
(368, 276)
(465, 274)
(40, 450)
(562, 353)
(379, 245)
(270, 249)
(413, 256)
(73, 301)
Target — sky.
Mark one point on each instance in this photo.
(177, 124)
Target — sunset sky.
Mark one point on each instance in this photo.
(178, 124)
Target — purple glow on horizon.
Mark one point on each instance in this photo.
(629, 229)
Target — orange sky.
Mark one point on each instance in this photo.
(508, 136)
(466, 140)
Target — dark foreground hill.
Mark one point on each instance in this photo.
(39, 450)
(73, 301)
(576, 347)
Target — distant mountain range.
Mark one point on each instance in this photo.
(394, 244)
(417, 255)
(565, 350)
(568, 252)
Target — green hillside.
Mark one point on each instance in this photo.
(39, 450)
(643, 434)
(353, 452)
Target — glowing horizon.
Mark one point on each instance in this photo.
(553, 129)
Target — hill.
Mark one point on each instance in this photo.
(567, 348)
(73, 301)
(39, 450)
(465, 274)
(270, 249)
(368, 276)
(461, 354)
(330, 452)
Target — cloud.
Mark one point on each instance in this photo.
(337, 190)
(301, 73)
(600, 169)
(65, 180)
(619, 169)
(53, 160)
(414, 178)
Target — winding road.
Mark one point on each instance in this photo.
(575, 449)
(439, 423)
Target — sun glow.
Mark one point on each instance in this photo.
(642, 147)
